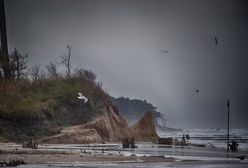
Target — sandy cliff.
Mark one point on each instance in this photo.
(109, 127)
(144, 130)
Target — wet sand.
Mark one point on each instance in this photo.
(72, 158)
(146, 155)
(41, 156)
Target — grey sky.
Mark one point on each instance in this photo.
(121, 40)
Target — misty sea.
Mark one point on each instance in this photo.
(210, 137)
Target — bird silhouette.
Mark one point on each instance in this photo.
(216, 40)
(164, 51)
(197, 90)
(242, 157)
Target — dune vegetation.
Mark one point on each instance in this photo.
(39, 101)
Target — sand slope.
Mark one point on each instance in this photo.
(144, 130)
(109, 127)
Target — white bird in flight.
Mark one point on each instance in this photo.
(82, 97)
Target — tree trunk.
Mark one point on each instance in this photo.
(4, 44)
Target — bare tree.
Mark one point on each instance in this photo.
(78, 72)
(52, 70)
(42, 75)
(18, 64)
(85, 74)
(35, 72)
(89, 75)
(66, 61)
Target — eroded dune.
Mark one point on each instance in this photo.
(109, 127)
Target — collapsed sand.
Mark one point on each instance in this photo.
(109, 127)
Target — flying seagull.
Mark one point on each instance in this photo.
(216, 40)
(164, 51)
(82, 97)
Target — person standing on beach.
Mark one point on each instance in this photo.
(183, 143)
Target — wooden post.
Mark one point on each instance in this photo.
(228, 122)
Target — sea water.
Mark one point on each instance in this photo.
(209, 137)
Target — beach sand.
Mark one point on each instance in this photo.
(39, 156)
(47, 157)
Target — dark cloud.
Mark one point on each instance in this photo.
(122, 41)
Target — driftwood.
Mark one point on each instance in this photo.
(128, 143)
(168, 141)
(30, 144)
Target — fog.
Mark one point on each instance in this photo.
(121, 41)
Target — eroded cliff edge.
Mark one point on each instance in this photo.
(110, 127)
